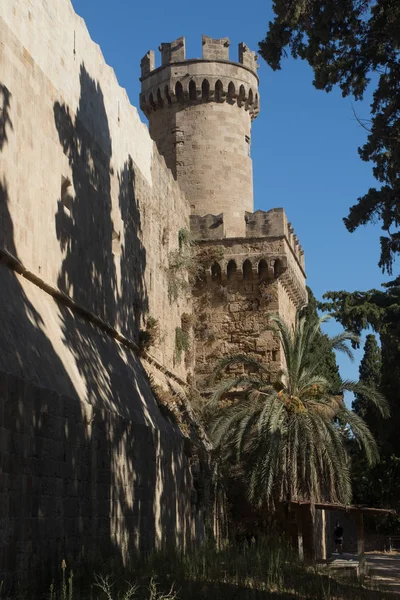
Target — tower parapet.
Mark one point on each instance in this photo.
(200, 113)
(195, 80)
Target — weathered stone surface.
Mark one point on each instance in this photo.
(89, 214)
(87, 462)
(260, 276)
(116, 221)
(200, 113)
(84, 489)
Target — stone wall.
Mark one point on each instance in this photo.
(88, 215)
(82, 484)
(67, 120)
(246, 281)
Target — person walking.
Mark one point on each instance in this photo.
(338, 538)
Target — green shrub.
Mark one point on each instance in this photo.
(182, 343)
(149, 336)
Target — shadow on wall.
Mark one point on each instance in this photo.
(5, 119)
(140, 455)
(106, 476)
(94, 242)
(20, 321)
(132, 302)
(35, 423)
(85, 227)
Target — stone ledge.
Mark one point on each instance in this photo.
(13, 263)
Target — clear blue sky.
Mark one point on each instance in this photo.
(304, 141)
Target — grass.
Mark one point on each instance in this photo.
(268, 570)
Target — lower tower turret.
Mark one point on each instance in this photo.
(253, 277)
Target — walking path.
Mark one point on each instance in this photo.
(384, 569)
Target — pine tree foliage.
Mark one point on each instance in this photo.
(379, 310)
(353, 44)
(321, 348)
(289, 438)
(370, 375)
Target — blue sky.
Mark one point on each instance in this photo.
(304, 141)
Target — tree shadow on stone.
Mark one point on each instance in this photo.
(133, 301)
(5, 119)
(103, 270)
(35, 422)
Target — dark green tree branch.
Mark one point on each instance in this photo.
(353, 44)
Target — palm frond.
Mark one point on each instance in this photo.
(290, 445)
(236, 359)
(369, 393)
(343, 337)
(362, 434)
(234, 383)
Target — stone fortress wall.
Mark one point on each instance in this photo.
(90, 211)
(88, 215)
(70, 121)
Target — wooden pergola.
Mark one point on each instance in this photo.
(359, 512)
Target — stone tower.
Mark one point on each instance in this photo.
(200, 113)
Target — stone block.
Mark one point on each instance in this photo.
(16, 418)
(50, 427)
(172, 52)
(147, 63)
(235, 307)
(215, 49)
(71, 508)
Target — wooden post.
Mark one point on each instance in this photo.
(360, 543)
(299, 522)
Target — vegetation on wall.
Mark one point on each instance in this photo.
(187, 322)
(206, 256)
(149, 336)
(172, 406)
(187, 264)
(182, 343)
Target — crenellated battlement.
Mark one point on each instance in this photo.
(271, 224)
(274, 223)
(213, 49)
(213, 78)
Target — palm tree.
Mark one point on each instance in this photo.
(289, 438)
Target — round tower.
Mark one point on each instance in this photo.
(200, 113)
